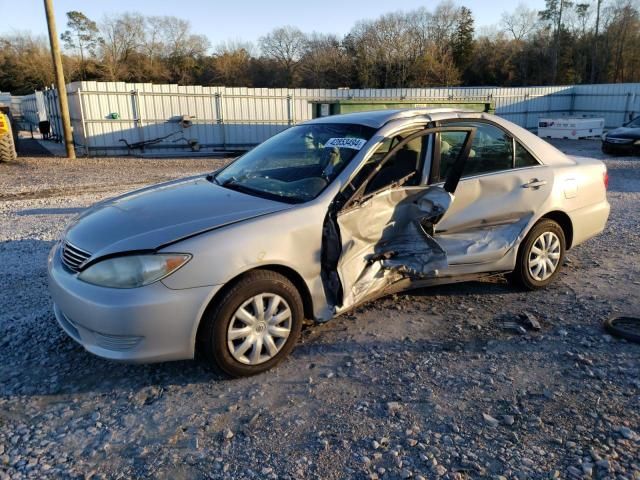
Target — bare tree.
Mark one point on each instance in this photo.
(25, 63)
(121, 38)
(520, 23)
(325, 62)
(232, 64)
(285, 45)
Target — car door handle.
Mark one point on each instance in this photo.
(535, 183)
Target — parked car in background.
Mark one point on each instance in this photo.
(316, 220)
(625, 139)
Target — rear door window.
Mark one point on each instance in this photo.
(523, 157)
(491, 151)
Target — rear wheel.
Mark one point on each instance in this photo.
(540, 255)
(255, 324)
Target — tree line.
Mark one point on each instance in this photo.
(569, 42)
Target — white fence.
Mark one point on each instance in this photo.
(14, 103)
(33, 108)
(107, 116)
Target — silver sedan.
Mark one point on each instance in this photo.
(316, 220)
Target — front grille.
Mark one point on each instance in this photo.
(73, 257)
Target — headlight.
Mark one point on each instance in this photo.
(133, 271)
(637, 142)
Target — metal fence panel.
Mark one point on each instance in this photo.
(617, 103)
(108, 115)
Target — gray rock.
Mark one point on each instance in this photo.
(627, 433)
(508, 419)
(574, 472)
(406, 473)
(393, 407)
(489, 420)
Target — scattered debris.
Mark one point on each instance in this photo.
(529, 321)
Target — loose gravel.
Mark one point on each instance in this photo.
(464, 381)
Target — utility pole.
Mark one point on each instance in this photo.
(60, 85)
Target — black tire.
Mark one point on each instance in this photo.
(7, 145)
(521, 275)
(213, 339)
(626, 327)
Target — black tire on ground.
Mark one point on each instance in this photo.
(213, 337)
(624, 327)
(521, 275)
(7, 146)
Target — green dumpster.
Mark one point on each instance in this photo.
(324, 108)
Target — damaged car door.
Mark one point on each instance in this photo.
(386, 227)
(501, 187)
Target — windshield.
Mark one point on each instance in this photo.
(635, 123)
(297, 164)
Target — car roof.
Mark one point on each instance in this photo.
(546, 153)
(379, 118)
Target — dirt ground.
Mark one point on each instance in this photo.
(432, 384)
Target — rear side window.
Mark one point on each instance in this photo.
(491, 151)
(523, 157)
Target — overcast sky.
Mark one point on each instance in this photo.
(241, 19)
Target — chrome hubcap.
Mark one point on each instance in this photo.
(259, 329)
(544, 256)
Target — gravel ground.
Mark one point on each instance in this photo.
(432, 384)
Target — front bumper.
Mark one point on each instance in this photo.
(148, 324)
(620, 147)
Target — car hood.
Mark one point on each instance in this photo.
(156, 216)
(624, 132)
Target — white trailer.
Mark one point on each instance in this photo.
(570, 127)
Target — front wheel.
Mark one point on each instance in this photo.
(255, 324)
(540, 255)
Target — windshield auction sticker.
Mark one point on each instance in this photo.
(353, 143)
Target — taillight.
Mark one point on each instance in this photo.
(605, 179)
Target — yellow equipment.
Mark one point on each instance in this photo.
(7, 144)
